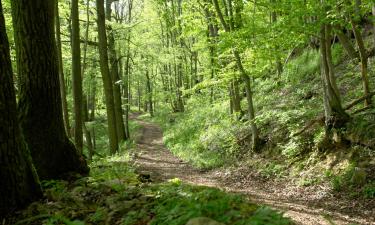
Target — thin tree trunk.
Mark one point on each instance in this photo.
(247, 81)
(345, 42)
(61, 72)
(87, 97)
(86, 130)
(114, 71)
(19, 182)
(127, 89)
(335, 116)
(107, 81)
(364, 61)
(40, 100)
(279, 65)
(149, 94)
(236, 97)
(77, 77)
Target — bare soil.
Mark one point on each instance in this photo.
(313, 205)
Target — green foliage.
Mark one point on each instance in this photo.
(368, 190)
(176, 204)
(303, 67)
(204, 136)
(353, 181)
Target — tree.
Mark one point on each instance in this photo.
(107, 80)
(114, 72)
(77, 77)
(245, 77)
(19, 184)
(61, 71)
(335, 115)
(40, 100)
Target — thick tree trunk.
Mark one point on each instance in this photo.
(19, 182)
(40, 100)
(107, 81)
(76, 77)
(61, 73)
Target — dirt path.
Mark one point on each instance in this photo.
(307, 207)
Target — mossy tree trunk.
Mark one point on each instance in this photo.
(40, 99)
(19, 182)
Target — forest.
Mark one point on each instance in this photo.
(187, 112)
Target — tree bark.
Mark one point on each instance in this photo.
(40, 100)
(107, 81)
(77, 77)
(19, 182)
(114, 71)
(61, 72)
(335, 115)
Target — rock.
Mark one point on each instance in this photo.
(203, 221)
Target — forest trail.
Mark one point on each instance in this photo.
(303, 207)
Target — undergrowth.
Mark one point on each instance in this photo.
(114, 194)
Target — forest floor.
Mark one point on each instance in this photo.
(312, 205)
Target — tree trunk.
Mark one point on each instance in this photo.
(345, 42)
(61, 72)
(279, 65)
(250, 104)
(121, 135)
(247, 81)
(236, 99)
(87, 130)
(40, 99)
(364, 61)
(149, 94)
(127, 89)
(107, 81)
(76, 77)
(19, 182)
(335, 115)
